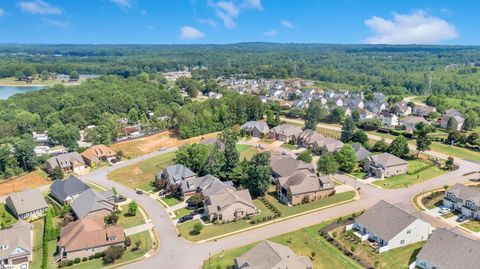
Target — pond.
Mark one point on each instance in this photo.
(7, 91)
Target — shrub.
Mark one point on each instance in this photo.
(334, 234)
(84, 259)
(352, 248)
(69, 263)
(77, 260)
(98, 255)
(113, 253)
(91, 257)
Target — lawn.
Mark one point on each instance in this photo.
(358, 174)
(418, 171)
(462, 153)
(289, 146)
(127, 221)
(142, 174)
(37, 244)
(472, 225)
(292, 210)
(6, 219)
(11, 81)
(182, 212)
(246, 151)
(95, 187)
(171, 200)
(303, 242)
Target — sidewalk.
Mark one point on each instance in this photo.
(138, 229)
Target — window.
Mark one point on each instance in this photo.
(409, 231)
(402, 242)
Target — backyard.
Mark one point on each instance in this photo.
(37, 244)
(418, 171)
(25, 181)
(142, 174)
(304, 242)
(454, 151)
(126, 221)
(246, 151)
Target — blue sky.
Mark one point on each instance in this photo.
(230, 21)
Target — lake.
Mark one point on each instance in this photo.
(7, 91)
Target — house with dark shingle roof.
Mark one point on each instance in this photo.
(228, 204)
(423, 110)
(385, 165)
(285, 132)
(448, 250)
(206, 185)
(175, 174)
(390, 227)
(360, 152)
(328, 144)
(66, 191)
(303, 185)
(268, 255)
(68, 162)
(463, 199)
(92, 204)
(27, 204)
(308, 138)
(285, 165)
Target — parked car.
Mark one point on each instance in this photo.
(260, 146)
(185, 218)
(119, 199)
(444, 210)
(139, 192)
(162, 149)
(461, 218)
(162, 192)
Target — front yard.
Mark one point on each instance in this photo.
(171, 199)
(126, 221)
(289, 146)
(142, 174)
(418, 171)
(472, 225)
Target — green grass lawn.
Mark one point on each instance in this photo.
(358, 174)
(6, 218)
(292, 210)
(246, 151)
(171, 200)
(95, 187)
(142, 174)
(127, 221)
(289, 146)
(37, 244)
(380, 134)
(303, 242)
(472, 225)
(462, 153)
(182, 212)
(411, 177)
(52, 248)
(267, 140)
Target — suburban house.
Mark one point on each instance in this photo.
(388, 119)
(402, 109)
(389, 227)
(174, 174)
(285, 132)
(68, 162)
(307, 138)
(27, 204)
(411, 121)
(463, 199)
(40, 138)
(423, 110)
(366, 114)
(85, 237)
(206, 185)
(360, 152)
(286, 165)
(99, 153)
(385, 165)
(16, 246)
(92, 204)
(456, 122)
(228, 204)
(267, 254)
(303, 186)
(328, 144)
(256, 128)
(66, 191)
(448, 250)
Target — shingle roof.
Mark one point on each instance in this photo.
(176, 173)
(287, 130)
(61, 189)
(285, 165)
(310, 136)
(97, 152)
(65, 160)
(268, 255)
(387, 159)
(448, 250)
(304, 182)
(18, 236)
(259, 125)
(224, 198)
(91, 201)
(207, 185)
(385, 220)
(360, 152)
(465, 193)
(27, 201)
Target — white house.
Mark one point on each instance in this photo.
(463, 199)
(389, 119)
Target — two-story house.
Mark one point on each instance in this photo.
(385, 165)
(463, 199)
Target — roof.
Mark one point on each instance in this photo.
(330, 144)
(176, 173)
(465, 193)
(65, 160)
(451, 113)
(413, 120)
(18, 239)
(304, 182)
(259, 125)
(224, 198)
(207, 185)
(213, 141)
(268, 255)
(448, 250)
(387, 159)
(310, 136)
(89, 233)
(97, 152)
(62, 189)
(360, 152)
(287, 130)
(385, 220)
(285, 165)
(91, 201)
(27, 201)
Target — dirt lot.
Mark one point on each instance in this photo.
(137, 147)
(31, 180)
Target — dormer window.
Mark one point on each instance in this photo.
(4, 246)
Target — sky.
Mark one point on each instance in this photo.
(231, 21)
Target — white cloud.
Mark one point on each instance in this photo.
(415, 28)
(2, 12)
(56, 23)
(270, 33)
(188, 32)
(208, 22)
(228, 11)
(123, 3)
(39, 7)
(287, 24)
(253, 4)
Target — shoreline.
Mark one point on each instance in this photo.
(38, 85)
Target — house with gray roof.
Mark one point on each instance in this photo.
(328, 144)
(285, 165)
(360, 152)
(16, 245)
(256, 128)
(68, 162)
(303, 186)
(206, 185)
(411, 121)
(423, 110)
(269, 255)
(92, 204)
(463, 199)
(175, 174)
(66, 191)
(227, 204)
(448, 250)
(27, 204)
(285, 132)
(308, 138)
(456, 122)
(385, 165)
(389, 227)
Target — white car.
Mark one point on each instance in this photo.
(444, 210)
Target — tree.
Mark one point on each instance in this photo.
(132, 208)
(259, 174)
(133, 116)
(449, 163)
(370, 124)
(193, 156)
(196, 199)
(24, 152)
(229, 137)
(327, 164)
(338, 114)
(45, 75)
(315, 113)
(111, 218)
(356, 116)
(74, 75)
(305, 156)
(144, 77)
(399, 146)
(19, 75)
(66, 135)
(271, 118)
(380, 146)
(57, 173)
(360, 136)
(346, 158)
(471, 120)
(472, 138)
(423, 141)
(113, 253)
(197, 229)
(215, 162)
(348, 129)
(451, 124)
(455, 137)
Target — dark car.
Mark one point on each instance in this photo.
(185, 218)
(462, 218)
(119, 199)
(140, 192)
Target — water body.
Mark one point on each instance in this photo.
(7, 91)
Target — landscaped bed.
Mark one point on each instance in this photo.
(418, 170)
(435, 199)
